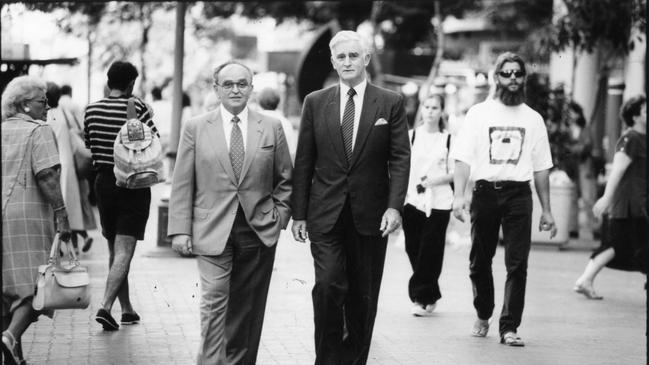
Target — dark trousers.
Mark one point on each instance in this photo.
(233, 302)
(510, 207)
(348, 273)
(425, 241)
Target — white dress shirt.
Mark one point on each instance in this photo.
(226, 116)
(358, 104)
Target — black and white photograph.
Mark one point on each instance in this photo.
(324, 182)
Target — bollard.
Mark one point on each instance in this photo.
(613, 124)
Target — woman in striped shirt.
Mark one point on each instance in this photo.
(123, 212)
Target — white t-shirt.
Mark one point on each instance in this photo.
(428, 157)
(502, 142)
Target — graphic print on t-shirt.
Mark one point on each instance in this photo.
(505, 145)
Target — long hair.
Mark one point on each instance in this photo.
(443, 118)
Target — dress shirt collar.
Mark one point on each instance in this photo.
(360, 90)
(226, 116)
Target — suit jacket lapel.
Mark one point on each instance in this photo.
(332, 116)
(366, 121)
(255, 131)
(216, 139)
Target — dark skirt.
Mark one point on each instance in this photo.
(629, 237)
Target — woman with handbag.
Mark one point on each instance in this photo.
(32, 205)
(428, 205)
(72, 152)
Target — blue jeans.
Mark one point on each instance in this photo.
(509, 206)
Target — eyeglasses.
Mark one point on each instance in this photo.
(228, 85)
(508, 73)
(42, 101)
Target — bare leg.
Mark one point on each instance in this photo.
(594, 266)
(20, 320)
(121, 254)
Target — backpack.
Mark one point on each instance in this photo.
(137, 153)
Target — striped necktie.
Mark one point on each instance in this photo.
(347, 125)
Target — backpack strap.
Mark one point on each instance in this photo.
(130, 109)
(412, 139)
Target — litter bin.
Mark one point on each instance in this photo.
(163, 219)
(562, 190)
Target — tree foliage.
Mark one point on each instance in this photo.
(592, 23)
(404, 24)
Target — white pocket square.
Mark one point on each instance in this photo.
(381, 121)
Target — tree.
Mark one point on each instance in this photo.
(605, 27)
(85, 19)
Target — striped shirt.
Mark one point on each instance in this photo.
(102, 122)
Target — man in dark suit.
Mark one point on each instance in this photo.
(229, 201)
(350, 180)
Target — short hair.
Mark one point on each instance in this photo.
(575, 107)
(630, 109)
(348, 35)
(53, 94)
(268, 99)
(156, 93)
(66, 90)
(509, 57)
(17, 91)
(220, 67)
(121, 74)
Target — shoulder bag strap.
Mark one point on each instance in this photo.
(448, 150)
(130, 109)
(412, 139)
(10, 191)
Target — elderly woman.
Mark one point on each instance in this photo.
(32, 204)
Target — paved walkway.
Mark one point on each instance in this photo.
(559, 326)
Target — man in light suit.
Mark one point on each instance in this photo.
(351, 174)
(229, 201)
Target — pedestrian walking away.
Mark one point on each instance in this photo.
(351, 176)
(624, 244)
(428, 205)
(123, 212)
(33, 208)
(502, 145)
(229, 201)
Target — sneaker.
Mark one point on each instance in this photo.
(419, 310)
(130, 318)
(106, 320)
(480, 328)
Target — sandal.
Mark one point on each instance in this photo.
(480, 328)
(8, 348)
(512, 339)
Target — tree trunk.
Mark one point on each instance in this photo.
(438, 32)
(145, 16)
(89, 70)
(376, 63)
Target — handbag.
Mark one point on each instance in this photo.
(62, 286)
(81, 155)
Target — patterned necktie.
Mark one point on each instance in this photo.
(237, 152)
(348, 124)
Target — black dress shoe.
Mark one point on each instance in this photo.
(106, 320)
(130, 318)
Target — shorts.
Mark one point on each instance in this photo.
(121, 211)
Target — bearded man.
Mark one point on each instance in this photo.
(502, 146)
